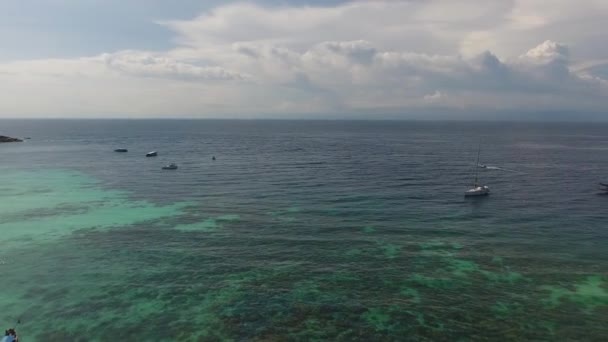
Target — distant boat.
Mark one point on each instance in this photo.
(477, 190)
(151, 154)
(213, 158)
(604, 187)
(170, 167)
(121, 150)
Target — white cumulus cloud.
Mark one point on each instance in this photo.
(370, 57)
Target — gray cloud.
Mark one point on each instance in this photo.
(359, 51)
(149, 65)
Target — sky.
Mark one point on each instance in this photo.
(466, 59)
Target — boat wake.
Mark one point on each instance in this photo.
(488, 167)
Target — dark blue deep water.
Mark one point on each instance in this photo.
(302, 231)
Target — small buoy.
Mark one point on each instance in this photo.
(213, 158)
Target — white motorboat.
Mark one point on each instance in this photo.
(151, 154)
(477, 191)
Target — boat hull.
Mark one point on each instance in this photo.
(477, 192)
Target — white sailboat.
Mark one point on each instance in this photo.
(477, 190)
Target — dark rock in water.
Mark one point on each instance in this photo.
(4, 139)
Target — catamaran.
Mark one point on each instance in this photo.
(477, 190)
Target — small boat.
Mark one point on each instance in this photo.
(170, 167)
(477, 190)
(151, 154)
(604, 187)
(121, 150)
(213, 158)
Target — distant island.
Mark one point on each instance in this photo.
(4, 139)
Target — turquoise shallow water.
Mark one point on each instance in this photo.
(302, 231)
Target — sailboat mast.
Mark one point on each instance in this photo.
(477, 164)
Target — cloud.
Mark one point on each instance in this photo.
(149, 65)
(359, 51)
(375, 57)
(434, 97)
(528, 22)
(548, 52)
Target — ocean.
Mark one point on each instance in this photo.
(303, 231)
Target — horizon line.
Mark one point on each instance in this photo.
(515, 120)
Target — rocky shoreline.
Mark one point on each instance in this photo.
(4, 139)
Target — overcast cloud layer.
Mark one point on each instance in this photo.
(363, 59)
